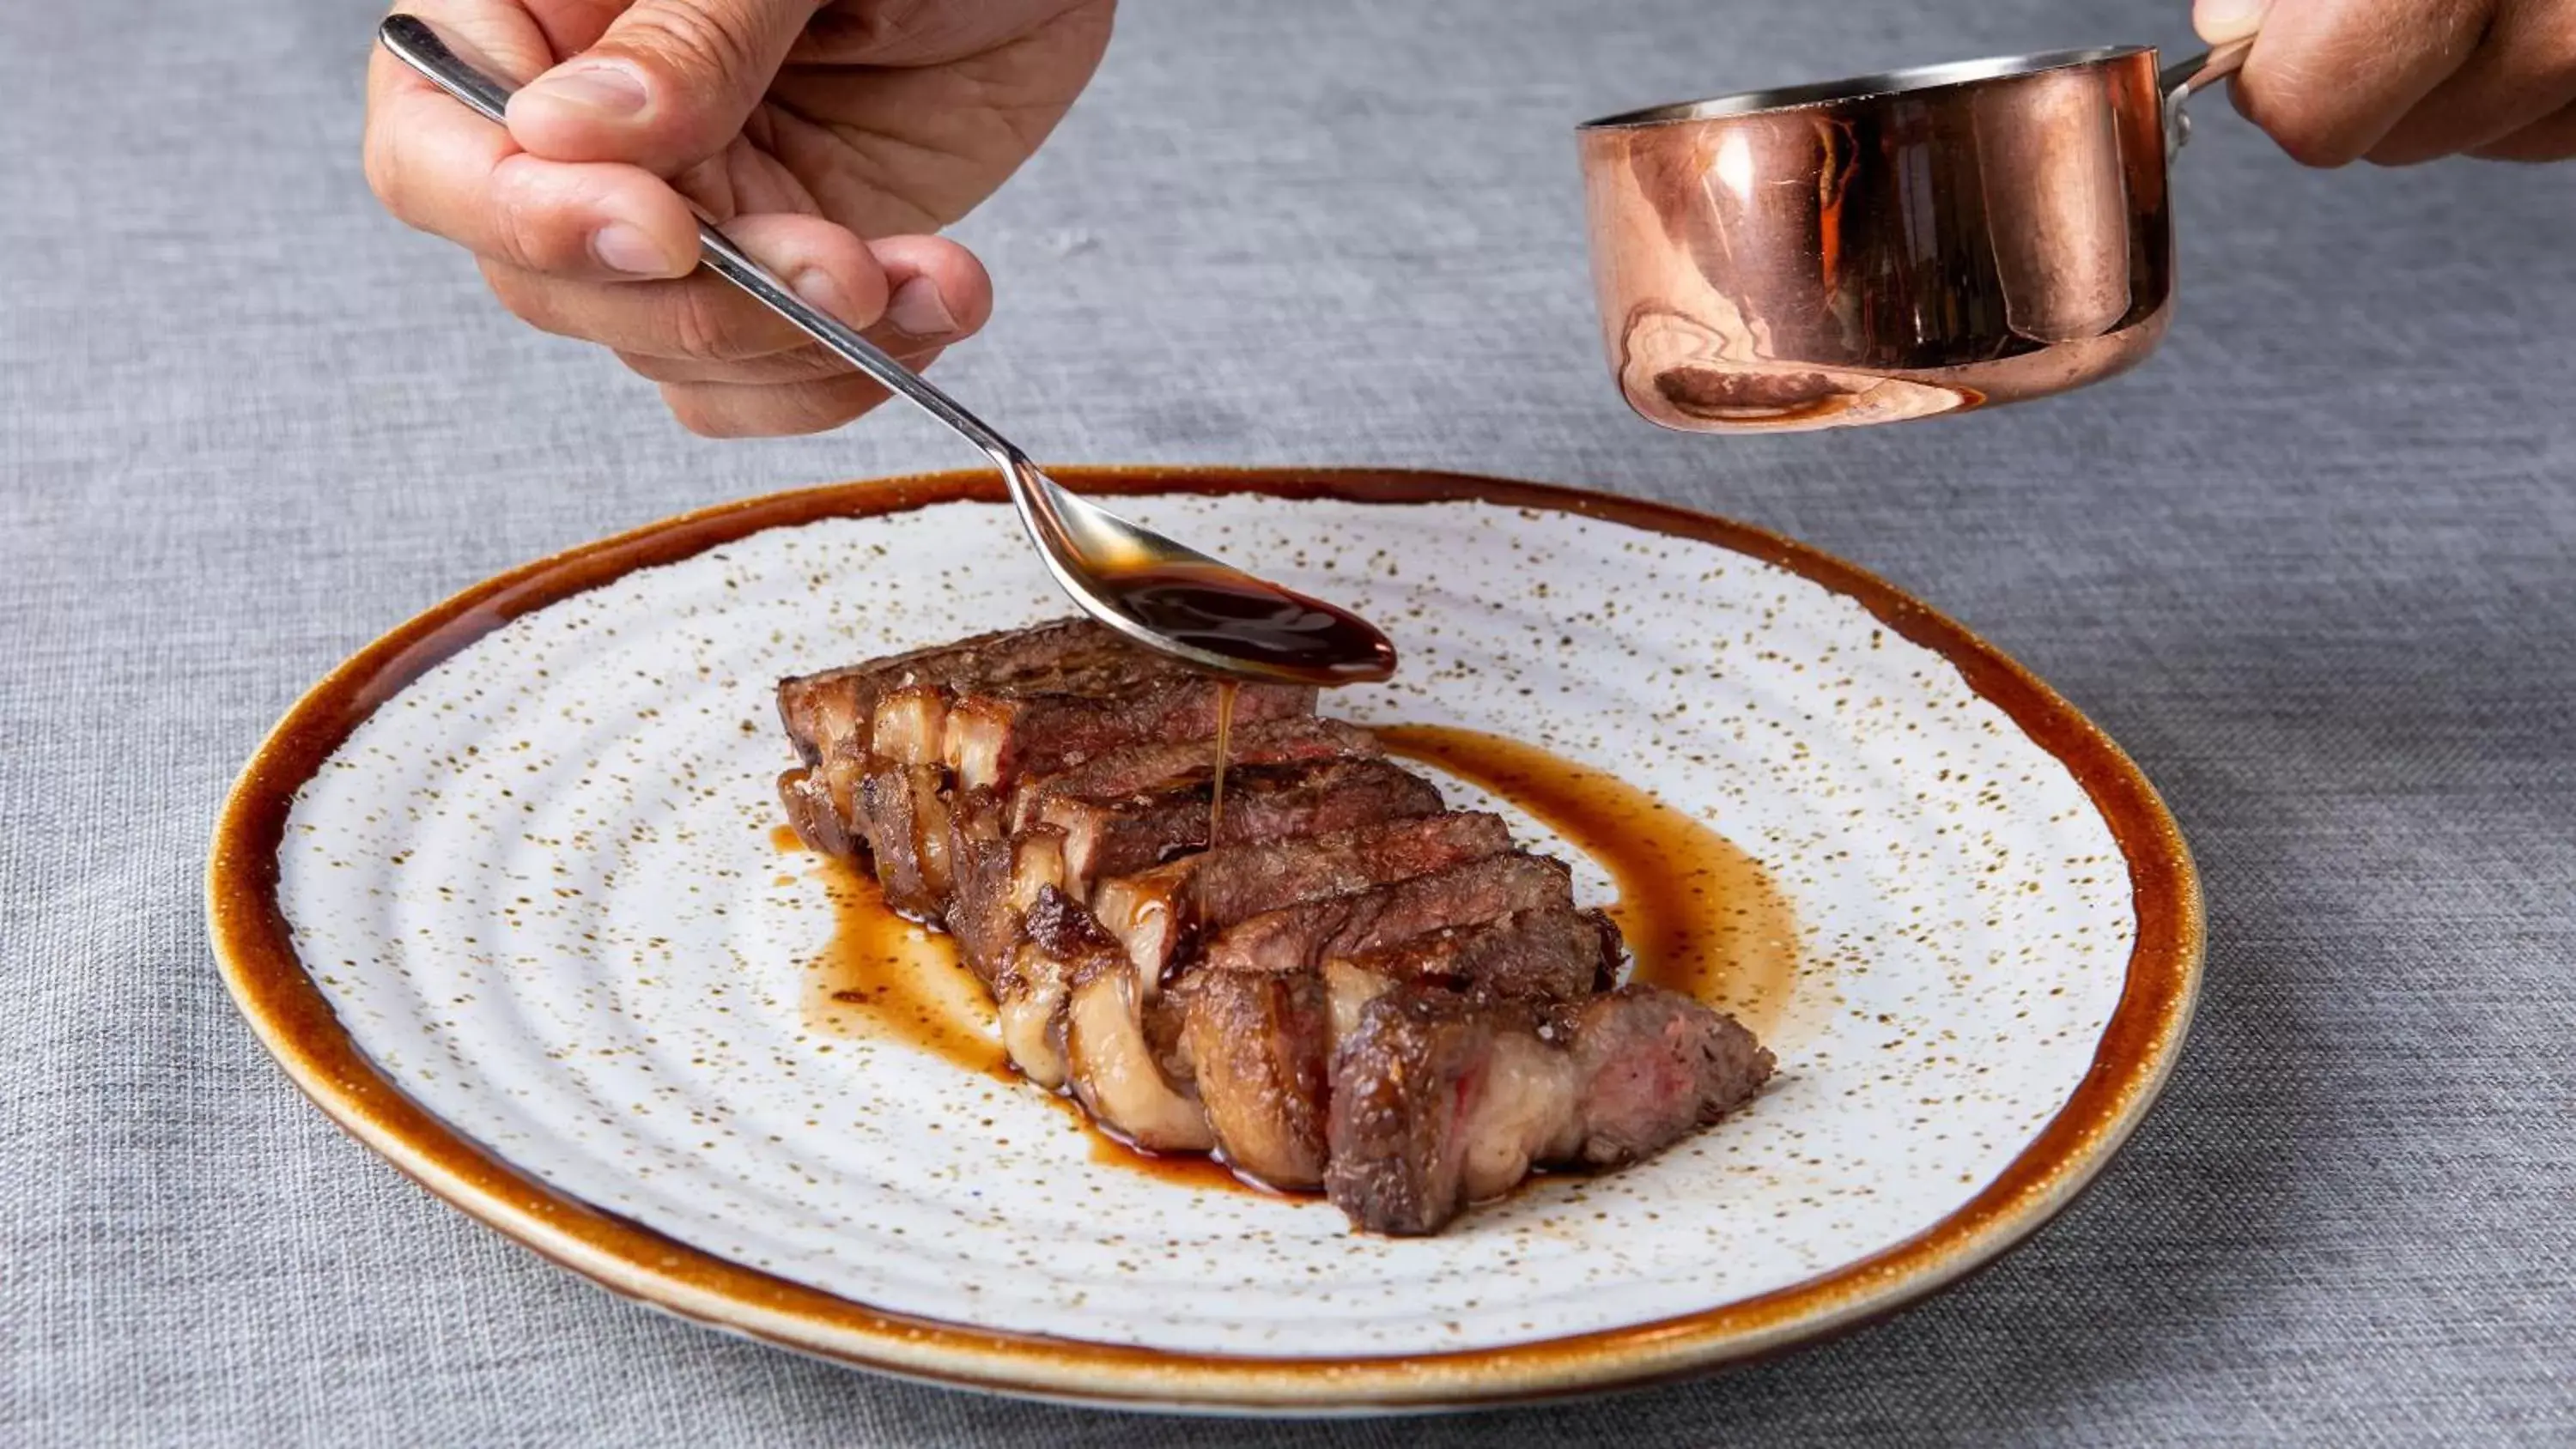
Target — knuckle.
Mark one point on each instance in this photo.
(701, 324)
(806, 364)
(529, 298)
(2287, 100)
(385, 175)
(2309, 138)
(696, 410)
(523, 231)
(816, 407)
(652, 369)
(692, 41)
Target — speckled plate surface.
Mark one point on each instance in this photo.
(501, 894)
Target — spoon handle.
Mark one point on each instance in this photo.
(413, 42)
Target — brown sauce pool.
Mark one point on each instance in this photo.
(883, 978)
(1699, 914)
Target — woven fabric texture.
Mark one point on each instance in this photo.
(2314, 565)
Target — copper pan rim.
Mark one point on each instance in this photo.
(1885, 84)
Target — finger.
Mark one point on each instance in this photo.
(936, 293)
(2329, 78)
(2523, 71)
(734, 410)
(2220, 21)
(704, 329)
(701, 315)
(667, 85)
(2551, 138)
(442, 169)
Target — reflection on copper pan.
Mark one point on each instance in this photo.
(1890, 247)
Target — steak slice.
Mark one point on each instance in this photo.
(999, 736)
(903, 813)
(1259, 1043)
(1653, 1066)
(1109, 1060)
(1550, 954)
(1302, 937)
(1259, 1046)
(1120, 835)
(1441, 1098)
(809, 809)
(997, 882)
(1160, 913)
(831, 710)
(1136, 769)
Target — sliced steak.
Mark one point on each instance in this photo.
(1550, 954)
(1303, 937)
(1654, 1065)
(1109, 1059)
(997, 737)
(1161, 913)
(1259, 1043)
(1123, 834)
(1440, 1098)
(903, 813)
(1259, 1048)
(997, 882)
(809, 809)
(832, 718)
(1137, 769)
(833, 708)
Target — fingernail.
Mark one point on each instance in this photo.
(2226, 19)
(621, 247)
(604, 87)
(816, 286)
(917, 309)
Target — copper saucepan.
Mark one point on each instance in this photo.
(1892, 246)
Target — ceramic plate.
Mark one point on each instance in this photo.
(503, 896)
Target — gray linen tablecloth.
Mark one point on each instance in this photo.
(2315, 565)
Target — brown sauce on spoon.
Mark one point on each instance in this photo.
(1271, 629)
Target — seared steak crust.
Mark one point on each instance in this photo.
(1441, 1098)
(1302, 937)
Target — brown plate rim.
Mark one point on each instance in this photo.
(254, 947)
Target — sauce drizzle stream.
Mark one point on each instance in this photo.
(1224, 733)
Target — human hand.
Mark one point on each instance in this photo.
(830, 142)
(2402, 81)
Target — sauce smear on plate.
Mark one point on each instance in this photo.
(888, 979)
(1700, 915)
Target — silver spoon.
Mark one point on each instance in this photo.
(1147, 587)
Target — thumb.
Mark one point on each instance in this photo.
(2220, 21)
(667, 86)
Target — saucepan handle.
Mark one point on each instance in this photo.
(2179, 81)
